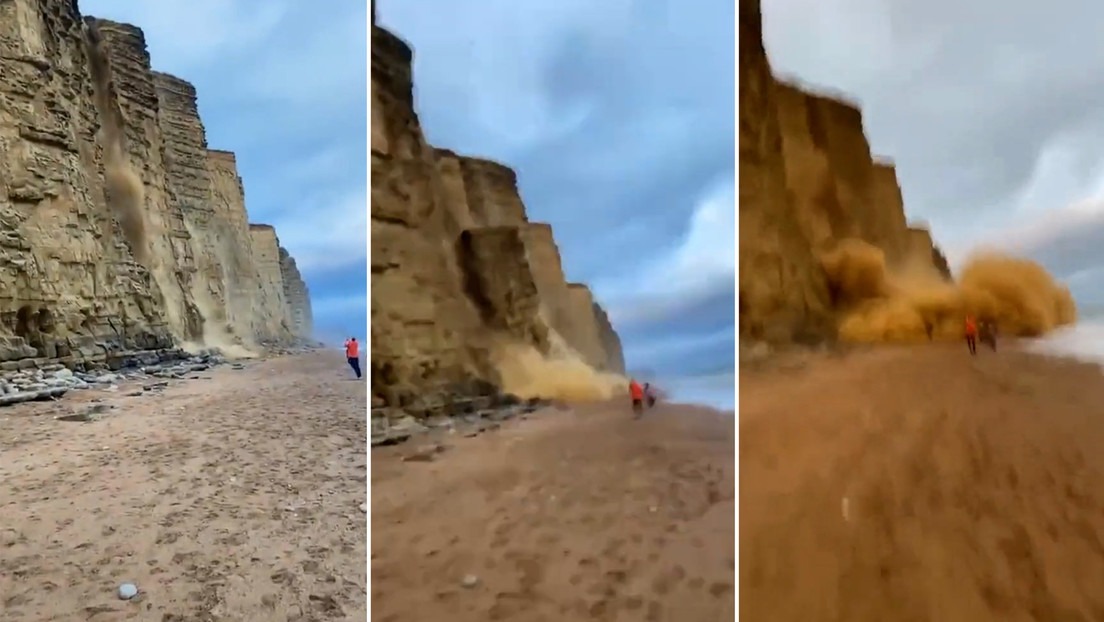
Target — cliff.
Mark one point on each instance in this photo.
(106, 204)
(459, 274)
(808, 183)
(271, 319)
(232, 251)
(297, 296)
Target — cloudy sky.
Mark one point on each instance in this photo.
(618, 117)
(284, 86)
(993, 111)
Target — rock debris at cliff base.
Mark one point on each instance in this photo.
(826, 251)
(469, 297)
(120, 231)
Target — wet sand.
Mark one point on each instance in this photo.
(230, 498)
(921, 484)
(568, 515)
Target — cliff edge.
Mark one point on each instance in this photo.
(113, 226)
(468, 295)
(826, 250)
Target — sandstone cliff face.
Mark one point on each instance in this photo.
(887, 193)
(922, 248)
(101, 194)
(247, 312)
(70, 283)
(270, 316)
(190, 184)
(425, 333)
(297, 295)
(492, 193)
(169, 259)
(586, 336)
(808, 181)
(544, 261)
(457, 269)
(783, 297)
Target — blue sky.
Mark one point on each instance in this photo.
(284, 86)
(618, 117)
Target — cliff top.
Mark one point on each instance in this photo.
(221, 154)
(388, 44)
(543, 227)
(167, 81)
(129, 30)
(833, 96)
(490, 167)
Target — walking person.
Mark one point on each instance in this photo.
(636, 393)
(971, 334)
(649, 394)
(352, 355)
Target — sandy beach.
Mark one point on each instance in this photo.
(574, 514)
(233, 496)
(922, 484)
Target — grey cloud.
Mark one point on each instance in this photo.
(1072, 249)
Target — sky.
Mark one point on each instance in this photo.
(618, 118)
(993, 112)
(284, 86)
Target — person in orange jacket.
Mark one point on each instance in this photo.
(636, 393)
(971, 334)
(352, 355)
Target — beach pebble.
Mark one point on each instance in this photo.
(128, 591)
(469, 581)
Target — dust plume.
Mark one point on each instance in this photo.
(562, 375)
(878, 304)
(216, 331)
(125, 192)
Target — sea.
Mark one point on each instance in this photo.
(717, 390)
(1083, 341)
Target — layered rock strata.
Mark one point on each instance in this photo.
(271, 321)
(169, 243)
(190, 183)
(808, 181)
(106, 202)
(297, 296)
(457, 269)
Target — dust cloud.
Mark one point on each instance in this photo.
(216, 331)
(126, 194)
(896, 305)
(561, 375)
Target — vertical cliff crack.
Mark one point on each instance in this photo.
(472, 284)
